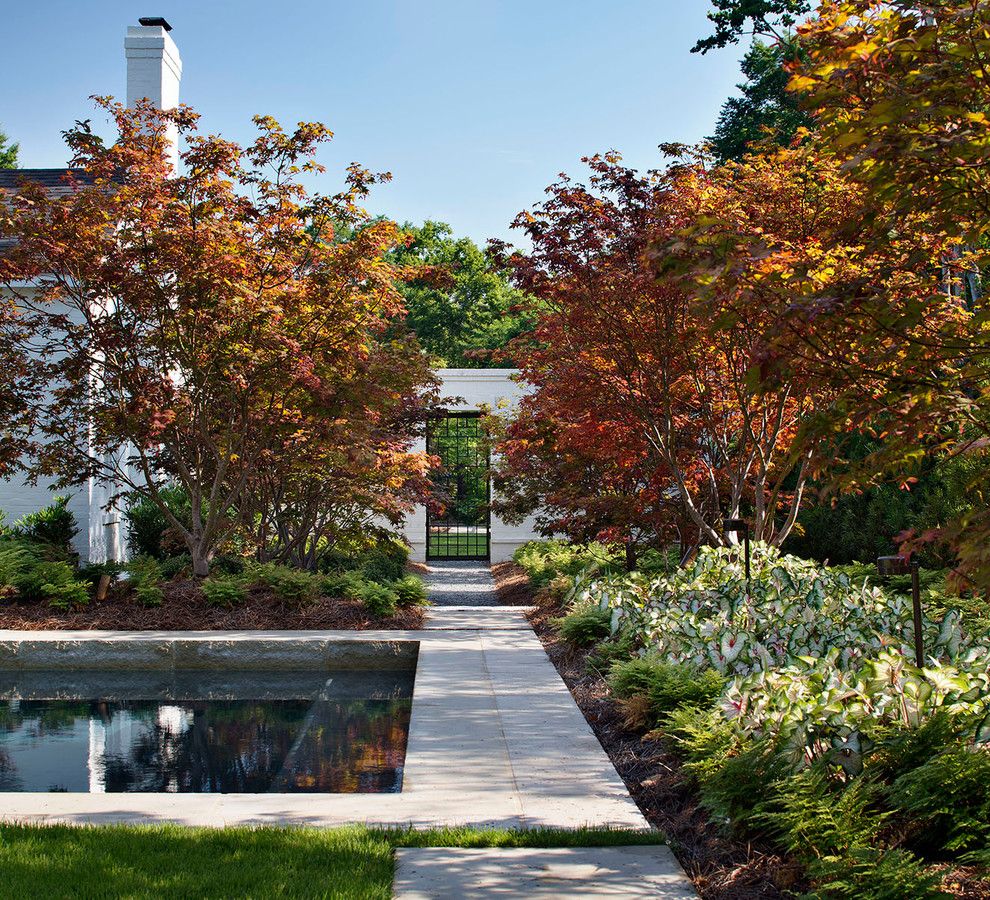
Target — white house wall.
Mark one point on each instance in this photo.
(100, 536)
(475, 389)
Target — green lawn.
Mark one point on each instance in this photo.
(458, 544)
(171, 861)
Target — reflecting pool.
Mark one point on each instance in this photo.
(206, 732)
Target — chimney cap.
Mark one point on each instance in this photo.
(155, 21)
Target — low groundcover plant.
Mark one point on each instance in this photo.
(795, 704)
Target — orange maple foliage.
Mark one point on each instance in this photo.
(900, 92)
(221, 328)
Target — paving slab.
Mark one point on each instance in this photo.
(474, 618)
(450, 583)
(559, 766)
(539, 874)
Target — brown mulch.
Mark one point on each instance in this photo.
(185, 610)
(964, 882)
(512, 585)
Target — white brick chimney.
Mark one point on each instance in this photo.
(154, 69)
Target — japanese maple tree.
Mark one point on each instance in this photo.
(587, 477)
(899, 91)
(209, 327)
(623, 338)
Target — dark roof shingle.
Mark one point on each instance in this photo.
(53, 180)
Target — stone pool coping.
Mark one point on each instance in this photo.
(207, 650)
(495, 737)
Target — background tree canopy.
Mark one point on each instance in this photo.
(765, 103)
(468, 308)
(8, 153)
(734, 18)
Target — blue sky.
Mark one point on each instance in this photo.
(474, 107)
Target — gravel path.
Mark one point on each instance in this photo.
(461, 584)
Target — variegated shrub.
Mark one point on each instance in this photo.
(820, 661)
(706, 615)
(818, 709)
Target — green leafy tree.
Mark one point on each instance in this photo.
(8, 152)
(765, 105)
(858, 526)
(735, 18)
(461, 305)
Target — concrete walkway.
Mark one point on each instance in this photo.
(438, 873)
(460, 584)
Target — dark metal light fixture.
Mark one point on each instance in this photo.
(898, 565)
(739, 526)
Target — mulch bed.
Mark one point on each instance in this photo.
(512, 585)
(185, 610)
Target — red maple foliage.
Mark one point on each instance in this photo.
(220, 328)
(639, 374)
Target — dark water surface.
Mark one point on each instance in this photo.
(204, 732)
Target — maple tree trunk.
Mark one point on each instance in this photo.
(630, 556)
(200, 562)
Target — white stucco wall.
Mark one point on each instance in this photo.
(473, 389)
(100, 536)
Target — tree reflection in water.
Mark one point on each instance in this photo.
(322, 744)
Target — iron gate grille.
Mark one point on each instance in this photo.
(460, 527)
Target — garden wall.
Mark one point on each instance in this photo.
(475, 389)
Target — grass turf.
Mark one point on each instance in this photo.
(458, 545)
(162, 861)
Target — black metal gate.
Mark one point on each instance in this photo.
(460, 526)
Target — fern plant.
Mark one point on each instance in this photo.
(347, 585)
(378, 599)
(949, 798)
(837, 831)
(656, 687)
(410, 591)
(584, 625)
(17, 558)
(224, 590)
(292, 585)
(55, 582)
(145, 575)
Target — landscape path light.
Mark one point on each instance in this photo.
(898, 565)
(740, 526)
